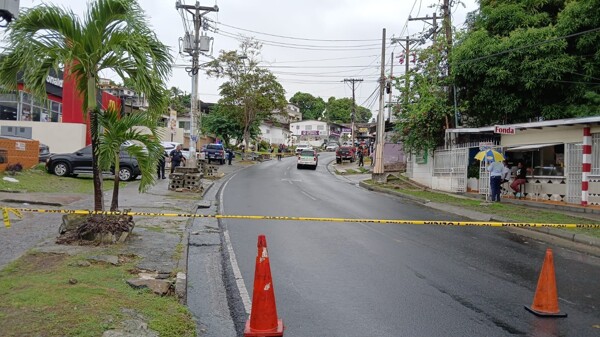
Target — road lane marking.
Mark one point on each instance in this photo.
(239, 280)
(308, 195)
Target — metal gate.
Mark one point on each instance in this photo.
(459, 162)
(451, 165)
(484, 175)
(574, 157)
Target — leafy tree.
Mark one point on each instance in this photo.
(340, 111)
(310, 106)
(513, 65)
(250, 92)
(425, 109)
(119, 129)
(223, 123)
(179, 101)
(112, 36)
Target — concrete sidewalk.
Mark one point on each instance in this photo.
(168, 249)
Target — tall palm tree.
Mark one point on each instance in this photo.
(113, 35)
(146, 149)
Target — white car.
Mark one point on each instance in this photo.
(308, 158)
(302, 147)
(332, 147)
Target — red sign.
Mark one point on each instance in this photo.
(504, 130)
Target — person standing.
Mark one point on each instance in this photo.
(279, 152)
(495, 169)
(361, 157)
(176, 158)
(229, 156)
(160, 169)
(520, 179)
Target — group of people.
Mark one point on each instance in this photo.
(176, 158)
(500, 173)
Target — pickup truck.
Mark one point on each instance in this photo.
(214, 152)
(344, 153)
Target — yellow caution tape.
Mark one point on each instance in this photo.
(6, 215)
(316, 219)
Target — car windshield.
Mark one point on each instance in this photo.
(215, 147)
(307, 153)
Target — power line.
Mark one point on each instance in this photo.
(241, 38)
(294, 38)
(329, 59)
(532, 45)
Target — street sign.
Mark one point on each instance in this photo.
(504, 130)
(194, 138)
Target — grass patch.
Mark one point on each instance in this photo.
(510, 211)
(37, 179)
(37, 299)
(156, 229)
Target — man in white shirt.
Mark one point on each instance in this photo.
(495, 169)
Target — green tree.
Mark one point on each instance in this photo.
(250, 91)
(310, 106)
(146, 148)
(223, 124)
(425, 108)
(179, 101)
(513, 64)
(340, 111)
(113, 35)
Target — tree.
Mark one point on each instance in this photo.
(310, 106)
(340, 111)
(112, 36)
(222, 123)
(146, 148)
(514, 64)
(179, 101)
(425, 108)
(250, 92)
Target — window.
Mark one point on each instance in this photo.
(297, 127)
(321, 127)
(544, 161)
(268, 131)
(308, 127)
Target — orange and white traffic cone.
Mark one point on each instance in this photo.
(263, 318)
(545, 301)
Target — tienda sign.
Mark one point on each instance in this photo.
(504, 130)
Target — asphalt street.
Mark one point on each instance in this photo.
(360, 279)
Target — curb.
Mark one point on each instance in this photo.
(574, 237)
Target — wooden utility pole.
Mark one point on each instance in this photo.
(378, 168)
(448, 29)
(353, 113)
(407, 40)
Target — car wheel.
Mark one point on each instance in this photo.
(61, 169)
(222, 161)
(125, 174)
(314, 167)
(338, 161)
(298, 166)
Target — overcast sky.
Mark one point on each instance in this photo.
(302, 61)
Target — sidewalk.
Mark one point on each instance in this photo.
(591, 213)
(168, 249)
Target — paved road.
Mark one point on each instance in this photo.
(350, 279)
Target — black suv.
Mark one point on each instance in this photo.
(66, 164)
(214, 152)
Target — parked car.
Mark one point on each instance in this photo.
(309, 158)
(44, 149)
(332, 146)
(345, 153)
(214, 152)
(302, 147)
(72, 164)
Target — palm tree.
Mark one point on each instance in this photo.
(113, 35)
(146, 149)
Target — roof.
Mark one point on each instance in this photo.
(532, 125)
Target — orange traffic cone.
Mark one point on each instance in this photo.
(545, 301)
(263, 318)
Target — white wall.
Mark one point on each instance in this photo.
(60, 137)
(422, 172)
(561, 134)
(274, 134)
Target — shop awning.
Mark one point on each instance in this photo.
(531, 147)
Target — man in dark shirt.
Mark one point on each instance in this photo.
(176, 158)
(520, 179)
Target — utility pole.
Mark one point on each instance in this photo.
(390, 88)
(378, 169)
(407, 40)
(433, 24)
(448, 29)
(353, 114)
(193, 45)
